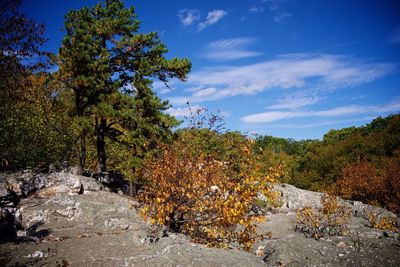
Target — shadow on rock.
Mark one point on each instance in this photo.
(114, 181)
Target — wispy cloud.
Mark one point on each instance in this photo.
(318, 124)
(272, 116)
(233, 43)
(212, 17)
(289, 71)
(161, 88)
(230, 49)
(296, 100)
(274, 7)
(281, 16)
(188, 16)
(256, 9)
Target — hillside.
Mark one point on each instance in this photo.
(359, 163)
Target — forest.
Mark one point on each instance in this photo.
(92, 105)
(358, 163)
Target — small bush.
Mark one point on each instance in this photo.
(376, 221)
(191, 192)
(329, 220)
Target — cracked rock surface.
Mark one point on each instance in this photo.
(75, 221)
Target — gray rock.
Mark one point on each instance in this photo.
(4, 192)
(20, 184)
(76, 183)
(97, 228)
(36, 254)
(60, 167)
(54, 190)
(294, 198)
(7, 197)
(34, 182)
(116, 224)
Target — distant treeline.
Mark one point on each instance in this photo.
(361, 163)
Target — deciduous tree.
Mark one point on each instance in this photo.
(26, 110)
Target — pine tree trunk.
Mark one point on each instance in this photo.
(82, 154)
(82, 138)
(101, 128)
(131, 187)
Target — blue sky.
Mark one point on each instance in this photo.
(287, 68)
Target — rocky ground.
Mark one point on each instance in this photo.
(62, 219)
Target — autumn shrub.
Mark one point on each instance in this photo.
(192, 192)
(358, 181)
(377, 221)
(387, 223)
(330, 219)
(390, 190)
(374, 183)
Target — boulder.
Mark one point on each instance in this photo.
(13, 186)
(77, 184)
(61, 167)
(293, 198)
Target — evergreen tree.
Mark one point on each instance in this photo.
(110, 67)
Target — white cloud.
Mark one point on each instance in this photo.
(256, 9)
(180, 100)
(230, 49)
(231, 54)
(272, 116)
(279, 17)
(205, 92)
(289, 71)
(317, 124)
(183, 111)
(296, 101)
(275, 9)
(160, 87)
(188, 16)
(231, 43)
(212, 17)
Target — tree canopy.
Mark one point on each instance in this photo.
(110, 66)
(26, 137)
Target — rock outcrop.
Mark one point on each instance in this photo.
(60, 219)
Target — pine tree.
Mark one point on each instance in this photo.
(110, 67)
